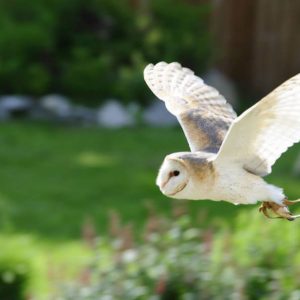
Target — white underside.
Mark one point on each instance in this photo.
(235, 185)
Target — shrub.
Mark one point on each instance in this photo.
(28, 266)
(19, 267)
(92, 49)
(257, 259)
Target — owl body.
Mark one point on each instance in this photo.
(209, 180)
(229, 154)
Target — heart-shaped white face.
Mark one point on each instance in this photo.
(173, 177)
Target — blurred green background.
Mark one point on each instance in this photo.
(96, 48)
(61, 183)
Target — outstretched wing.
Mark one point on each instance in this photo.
(202, 112)
(258, 137)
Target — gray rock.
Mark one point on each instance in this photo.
(133, 108)
(14, 106)
(83, 115)
(4, 115)
(39, 113)
(223, 84)
(157, 115)
(57, 105)
(114, 115)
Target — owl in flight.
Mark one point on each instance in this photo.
(229, 154)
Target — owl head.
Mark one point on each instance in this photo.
(173, 176)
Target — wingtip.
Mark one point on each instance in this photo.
(148, 66)
(151, 67)
(161, 64)
(147, 69)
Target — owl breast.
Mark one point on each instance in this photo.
(228, 183)
(236, 185)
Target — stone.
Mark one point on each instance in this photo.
(223, 84)
(4, 115)
(14, 106)
(134, 109)
(114, 115)
(83, 115)
(40, 113)
(57, 105)
(157, 115)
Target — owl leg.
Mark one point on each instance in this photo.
(279, 210)
(288, 202)
(265, 207)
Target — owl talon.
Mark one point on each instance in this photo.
(282, 212)
(264, 209)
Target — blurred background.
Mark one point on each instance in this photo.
(82, 138)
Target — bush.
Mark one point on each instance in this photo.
(28, 266)
(19, 267)
(258, 259)
(93, 49)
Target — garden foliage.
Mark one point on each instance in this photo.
(257, 259)
(92, 49)
(20, 267)
(28, 266)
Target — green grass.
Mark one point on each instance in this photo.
(52, 178)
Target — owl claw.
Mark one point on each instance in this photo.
(264, 209)
(280, 211)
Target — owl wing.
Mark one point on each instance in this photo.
(202, 112)
(258, 137)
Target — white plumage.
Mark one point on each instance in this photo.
(187, 97)
(229, 154)
(262, 133)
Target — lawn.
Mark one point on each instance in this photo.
(52, 177)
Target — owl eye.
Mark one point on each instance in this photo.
(176, 173)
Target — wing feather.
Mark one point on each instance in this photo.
(258, 137)
(202, 112)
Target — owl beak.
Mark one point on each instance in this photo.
(164, 183)
(173, 193)
(180, 188)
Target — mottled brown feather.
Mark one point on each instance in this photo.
(200, 166)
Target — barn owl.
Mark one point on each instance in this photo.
(229, 154)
